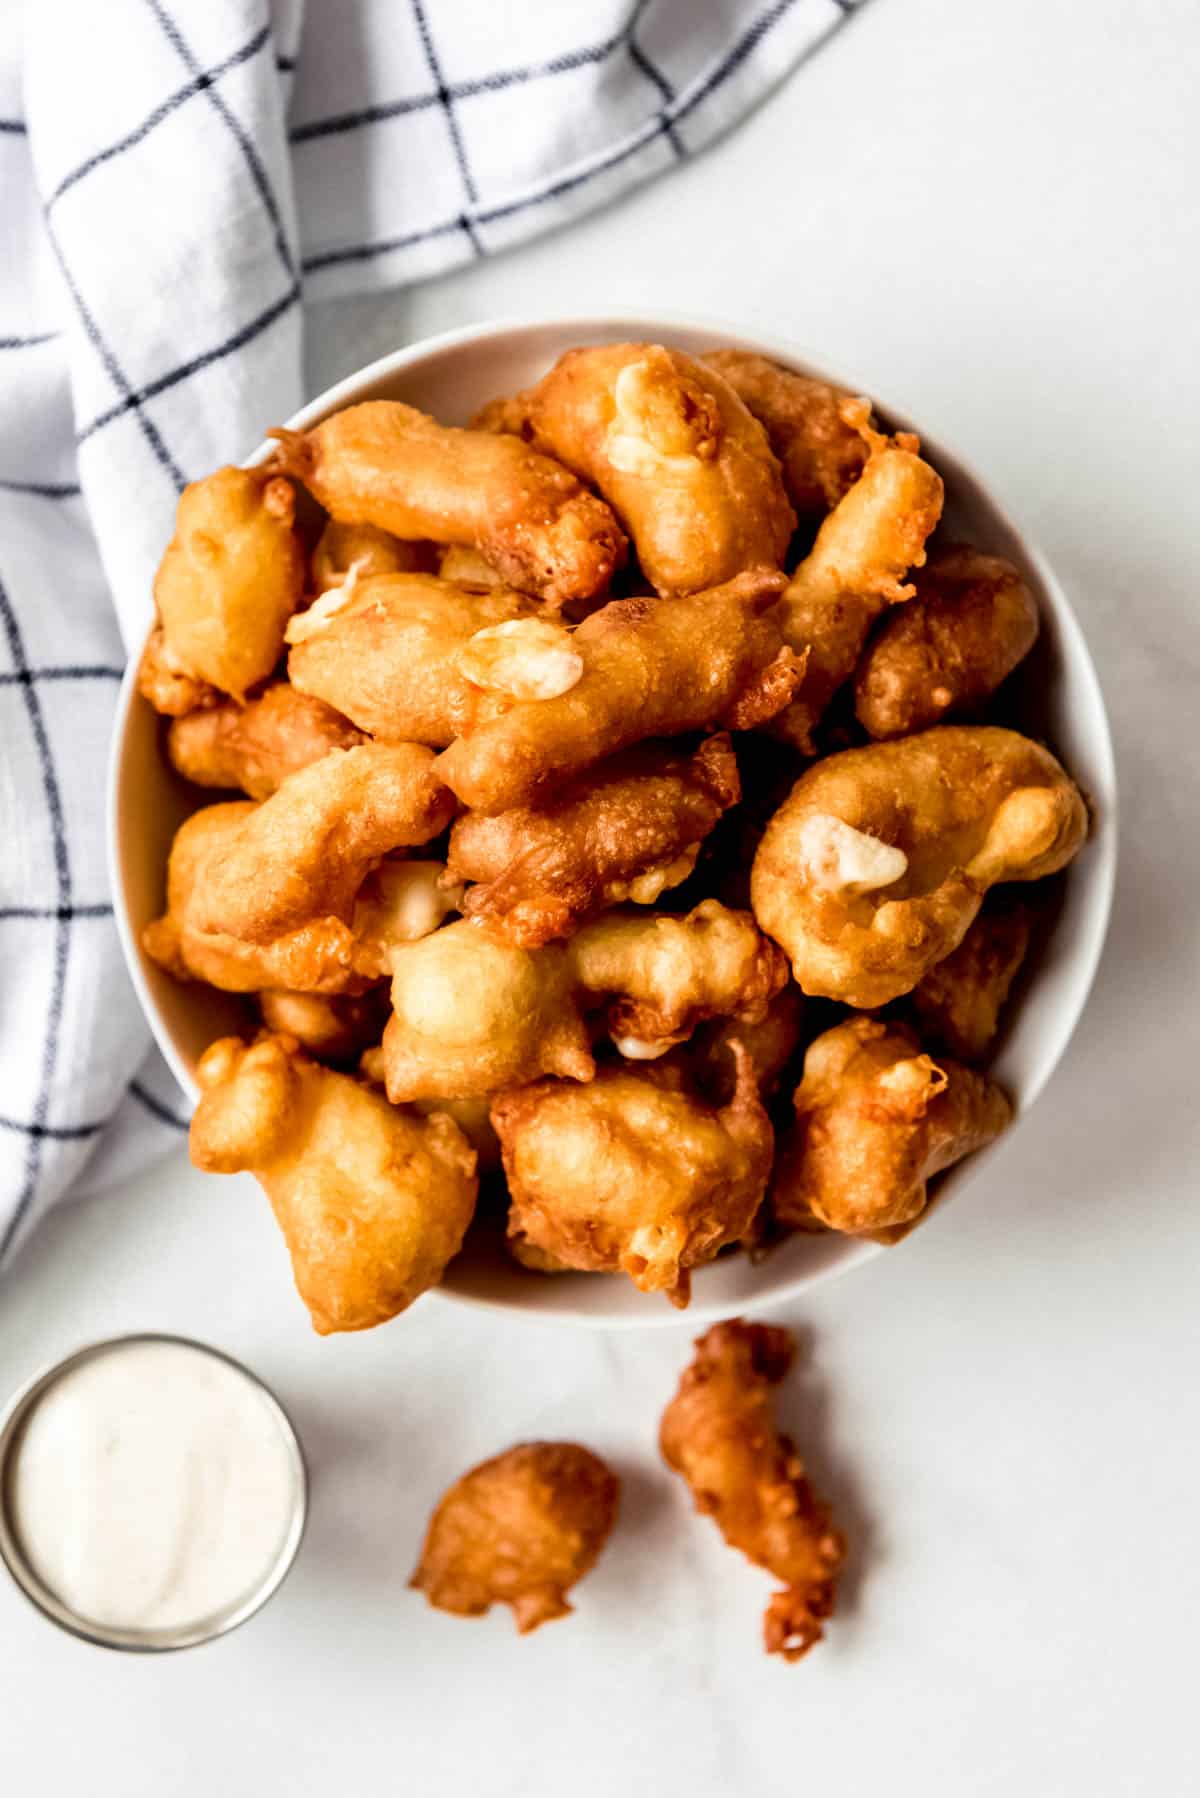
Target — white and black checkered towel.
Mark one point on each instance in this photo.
(176, 178)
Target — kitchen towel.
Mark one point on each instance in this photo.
(177, 179)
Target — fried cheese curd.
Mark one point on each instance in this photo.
(659, 974)
(719, 1433)
(684, 465)
(325, 919)
(873, 869)
(633, 1173)
(649, 668)
(231, 577)
(875, 1118)
(521, 1529)
(472, 1014)
(386, 464)
(769, 1042)
(820, 452)
(863, 550)
(305, 852)
(384, 651)
(335, 1028)
(958, 1003)
(372, 1202)
(362, 551)
(971, 621)
(161, 680)
(254, 747)
(626, 830)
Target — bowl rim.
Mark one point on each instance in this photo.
(1103, 795)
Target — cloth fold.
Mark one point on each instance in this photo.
(178, 178)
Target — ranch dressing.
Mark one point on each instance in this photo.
(153, 1487)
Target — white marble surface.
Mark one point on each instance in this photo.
(987, 207)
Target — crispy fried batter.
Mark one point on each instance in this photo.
(257, 745)
(397, 904)
(232, 576)
(719, 1432)
(386, 464)
(876, 1118)
(521, 1530)
(386, 656)
(467, 568)
(820, 452)
(472, 1014)
(669, 444)
(626, 830)
(334, 1029)
(303, 854)
(659, 974)
(971, 622)
(769, 1041)
(372, 1203)
(652, 667)
(865, 547)
(365, 551)
(959, 1001)
(163, 682)
(630, 1174)
(875, 866)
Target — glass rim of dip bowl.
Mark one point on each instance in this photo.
(13, 1418)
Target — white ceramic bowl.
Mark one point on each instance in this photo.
(1059, 699)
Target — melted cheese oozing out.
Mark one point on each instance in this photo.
(527, 658)
(412, 901)
(626, 445)
(840, 859)
(308, 624)
(641, 1048)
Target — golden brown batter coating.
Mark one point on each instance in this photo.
(659, 974)
(398, 903)
(873, 869)
(626, 830)
(255, 746)
(651, 668)
(958, 1003)
(365, 551)
(769, 1041)
(719, 1432)
(631, 1174)
(820, 452)
(303, 854)
(876, 1118)
(231, 577)
(386, 464)
(372, 1202)
(163, 682)
(472, 1014)
(334, 1029)
(385, 657)
(863, 550)
(521, 1530)
(972, 620)
(669, 444)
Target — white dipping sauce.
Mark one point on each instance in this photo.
(153, 1487)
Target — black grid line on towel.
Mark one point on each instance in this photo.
(250, 155)
(12, 127)
(25, 676)
(460, 90)
(672, 113)
(156, 1107)
(64, 912)
(656, 78)
(204, 79)
(30, 341)
(237, 340)
(447, 105)
(43, 489)
(62, 931)
(130, 400)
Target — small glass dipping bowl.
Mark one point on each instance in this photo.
(15, 1422)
